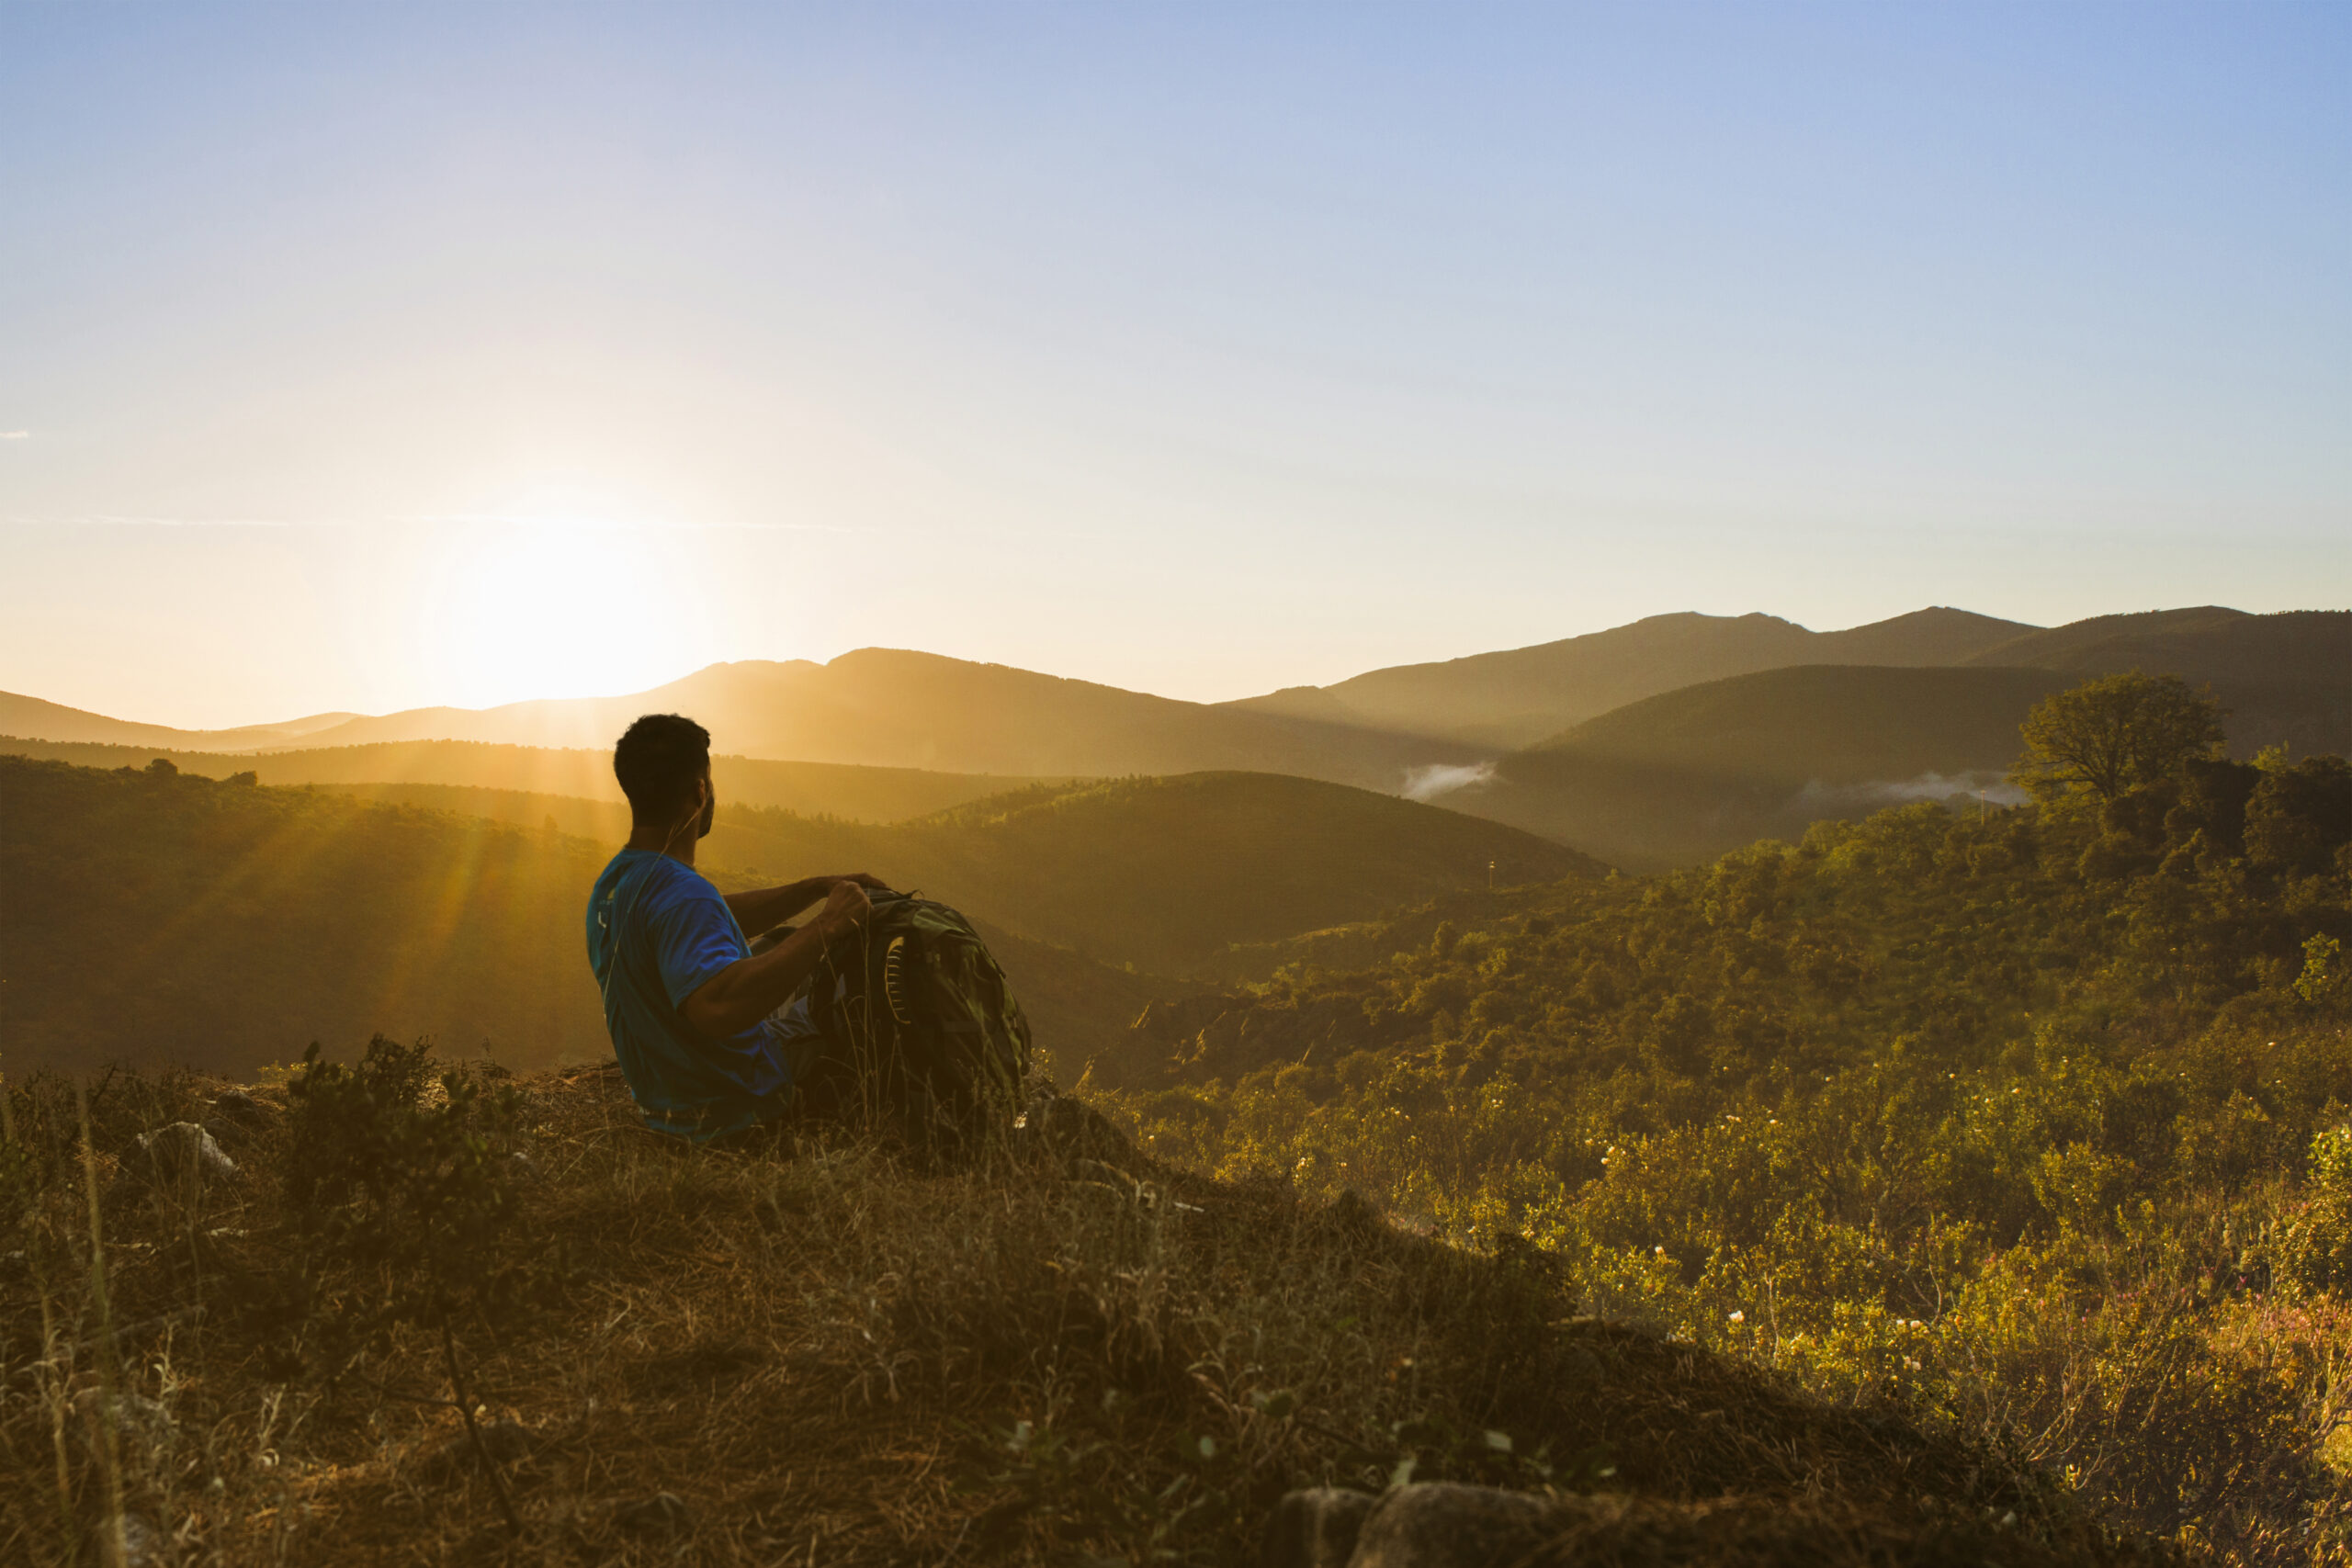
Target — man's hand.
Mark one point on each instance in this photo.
(847, 907)
(767, 906)
(748, 990)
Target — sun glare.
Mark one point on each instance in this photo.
(557, 606)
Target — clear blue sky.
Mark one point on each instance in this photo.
(368, 356)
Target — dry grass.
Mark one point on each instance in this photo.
(827, 1356)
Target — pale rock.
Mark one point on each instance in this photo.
(184, 1153)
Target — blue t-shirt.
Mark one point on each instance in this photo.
(657, 932)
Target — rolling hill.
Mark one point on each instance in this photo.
(1166, 872)
(1828, 724)
(153, 915)
(814, 789)
(177, 919)
(1160, 873)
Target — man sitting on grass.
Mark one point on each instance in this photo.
(711, 1037)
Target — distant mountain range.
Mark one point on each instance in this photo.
(883, 707)
(1574, 739)
(2287, 677)
(1506, 700)
(37, 720)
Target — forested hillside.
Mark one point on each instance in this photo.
(2035, 1125)
(154, 916)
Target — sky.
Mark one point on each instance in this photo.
(367, 357)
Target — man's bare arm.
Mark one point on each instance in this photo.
(750, 988)
(757, 911)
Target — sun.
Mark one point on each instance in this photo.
(522, 607)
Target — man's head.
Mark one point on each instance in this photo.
(663, 765)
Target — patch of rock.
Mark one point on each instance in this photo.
(185, 1154)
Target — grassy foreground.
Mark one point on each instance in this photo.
(817, 1353)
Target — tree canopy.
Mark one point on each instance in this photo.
(2106, 736)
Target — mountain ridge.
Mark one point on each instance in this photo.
(39, 718)
(2286, 677)
(1515, 696)
(901, 708)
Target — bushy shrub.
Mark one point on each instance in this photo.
(404, 1206)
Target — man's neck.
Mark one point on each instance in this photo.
(677, 842)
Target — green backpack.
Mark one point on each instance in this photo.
(921, 1030)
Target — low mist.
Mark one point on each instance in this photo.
(1995, 788)
(1443, 778)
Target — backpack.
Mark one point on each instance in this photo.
(921, 1030)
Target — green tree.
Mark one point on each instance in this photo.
(2115, 734)
(2299, 815)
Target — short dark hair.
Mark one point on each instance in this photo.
(658, 760)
